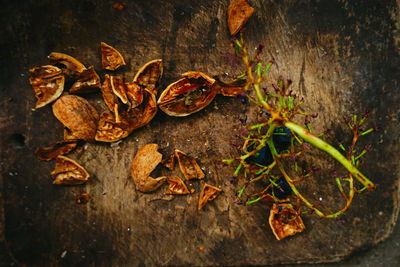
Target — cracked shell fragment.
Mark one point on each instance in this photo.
(208, 193)
(88, 81)
(70, 66)
(239, 11)
(187, 95)
(285, 221)
(78, 116)
(48, 84)
(169, 162)
(149, 75)
(146, 160)
(188, 166)
(59, 148)
(143, 114)
(176, 187)
(229, 88)
(135, 94)
(108, 130)
(109, 97)
(111, 59)
(118, 88)
(69, 172)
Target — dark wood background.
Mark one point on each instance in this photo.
(342, 56)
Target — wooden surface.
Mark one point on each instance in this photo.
(342, 57)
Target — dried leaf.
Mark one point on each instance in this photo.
(59, 148)
(149, 75)
(70, 66)
(111, 59)
(285, 221)
(176, 187)
(208, 193)
(78, 116)
(69, 172)
(88, 81)
(146, 160)
(48, 84)
(239, 11)
(188, 166)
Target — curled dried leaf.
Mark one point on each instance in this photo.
(189, 166)
(111, 59)
(59, 148)
(109, 130)
(188, 95)
(176, 187)
(146, 160)
(169, 162)
(285, 221)
(88, 81)
(229, 88)
(208, 193)
(70, 66)
(239, 11)
(48, 84)
(149, 75)
(118, 88)
(69, 172)
(135, 94)
(78, 116)
(82, 198)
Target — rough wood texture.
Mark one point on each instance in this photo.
(341, 55)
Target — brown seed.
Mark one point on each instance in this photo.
(59, 148)
(69, 172)
(208, 193)
(111, 59)
(88, 81)
(149, 75)
(70, 66)
(239, 11)
(285, 221)
(78, 116)
(177, 187)
(189, 166)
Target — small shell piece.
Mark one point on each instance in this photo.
(176, 187)
(88, 81)
(169, 162)
(146, 160)
(239, 11)
(111, 59)
(231, 88)
(78, 116)
(135, 94)
(208, 193)
(149, 75)
(109, 97)
(47, 82)
(188, 166)
(70, 66)
(69, 172)
(118, 88)
(59, 148)
(187, 95)
(285, 221)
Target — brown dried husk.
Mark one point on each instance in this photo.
(70, 66)
(189, 166)
(187, 95)
(208, 193)
(146, 160)
(48, 83)
(59, 148)
(88, 82)
(149, 75)
(69, 172)
(118, 88)
(78, 116)
(176, 187)
(111, 59)
(285, 221)
(239, 11)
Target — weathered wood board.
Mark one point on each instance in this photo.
(342, 57)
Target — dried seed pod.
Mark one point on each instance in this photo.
(70, 66)
(108, 130)
(208, 193)
(69, 172)
(188, 95)
(176, 187)
(135, 94)
(78, 116)
(111, 59)
(146, 160)
(285, 221)
(48, 84)
(229, 88)
(88, 81)
(59, 148)
(169, 162)
(188, 166)
(239, 11)
(149, 75)
(118, 88)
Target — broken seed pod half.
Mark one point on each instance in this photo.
(285, 221)
(208, 193)
(188, 166)
(149, 75)
(69, 172)
(146, 160)
(78, 116)
(111, 59)
(108, 130)
(88, 81)
(70, 66)
(59, 148)
(229, 88)
(239, 11)
(118, 88)
(188, 95)
(176, 187)
(48, 84)
(135, 94)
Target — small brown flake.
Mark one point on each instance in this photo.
(176, 187)
(189, 166)
(69, 172)
(208, 193)
(285, 221)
